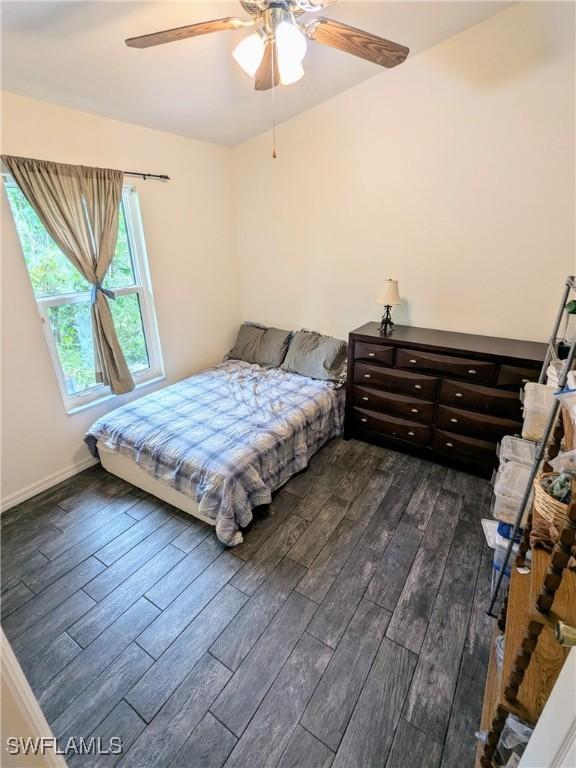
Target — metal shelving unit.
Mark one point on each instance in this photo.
(569, 287)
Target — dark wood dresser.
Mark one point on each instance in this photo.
(444, 395)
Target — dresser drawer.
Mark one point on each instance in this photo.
(512, 376)
(460, 447)
(395, 381)
(390, 402)
(477, 370)
(480, 424)
(375, 352)
(390, 426)
(498, 402)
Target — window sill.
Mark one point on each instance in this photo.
(112, 396)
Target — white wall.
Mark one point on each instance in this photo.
(192, 262)
(453, 173)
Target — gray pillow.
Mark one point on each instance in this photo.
(319, 357)
(258, 344)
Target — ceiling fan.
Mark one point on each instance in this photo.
(273, 54)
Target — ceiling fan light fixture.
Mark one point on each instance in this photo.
(290, 70)
(291, 49)
(273, 55)
(290, 40)
(249, 52)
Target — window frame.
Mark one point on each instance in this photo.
(142, 287)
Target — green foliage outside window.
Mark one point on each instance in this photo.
(71, 326)
(51, 274)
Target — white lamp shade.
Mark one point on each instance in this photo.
(249, 52)
(291, 49)
(290, 41)
(389, 295)
(290, 71)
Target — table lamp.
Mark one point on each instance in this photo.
(388, 297)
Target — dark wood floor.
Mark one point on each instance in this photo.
(348, 630)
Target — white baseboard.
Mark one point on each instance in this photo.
(47, 482)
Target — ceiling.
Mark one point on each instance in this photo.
(73, 53)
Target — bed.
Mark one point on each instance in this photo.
(218, 443)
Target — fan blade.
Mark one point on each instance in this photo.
(267, 74)
(181, 33)
(356, 41)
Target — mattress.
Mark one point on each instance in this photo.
(225, 438)
(122, 466)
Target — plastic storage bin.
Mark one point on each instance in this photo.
(504, 530)
(509, 487)
(501, 547)
(499, 554)
(553, 373)
(538, 401)
(518, 450)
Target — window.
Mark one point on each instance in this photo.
(64, 301)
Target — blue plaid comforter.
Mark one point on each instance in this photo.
(226, 437)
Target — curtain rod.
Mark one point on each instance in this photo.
(159, 176)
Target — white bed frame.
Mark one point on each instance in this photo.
(128, 470)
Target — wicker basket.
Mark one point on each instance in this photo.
(547, 506)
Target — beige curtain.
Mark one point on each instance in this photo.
(79, 208)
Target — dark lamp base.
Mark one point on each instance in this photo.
(386, 323)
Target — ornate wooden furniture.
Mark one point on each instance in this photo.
(437, 393)
(539, 596)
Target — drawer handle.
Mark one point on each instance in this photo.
(364, 420)
(417, 386)
(411, 434)
(394, 434)
(449, 445)
(413, 361)
(454, 421)
(367, 375)
(414, 410)
(458, 394)
(371, 354)
(471, 370)
(365, 398)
